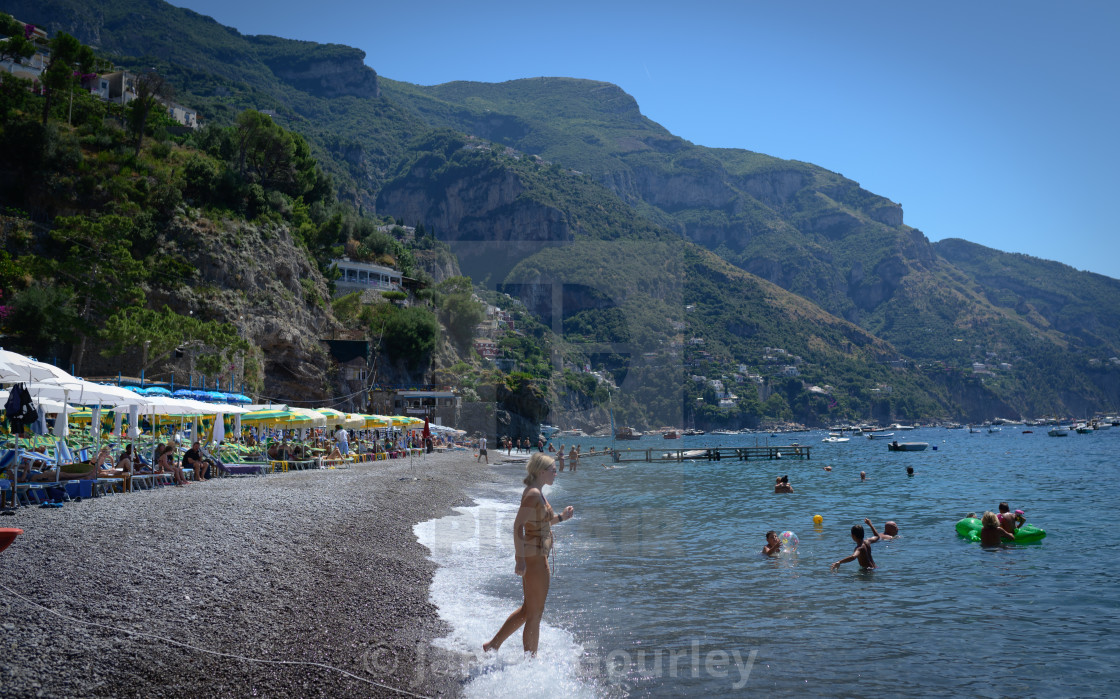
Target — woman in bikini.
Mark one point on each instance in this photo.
(532, 541)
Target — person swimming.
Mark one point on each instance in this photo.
(991, 533)
(862, 552)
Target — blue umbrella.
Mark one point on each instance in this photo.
(240, 398)
(184, 393)
(158, 391)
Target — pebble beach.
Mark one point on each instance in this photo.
(184, 591)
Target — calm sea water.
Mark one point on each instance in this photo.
(659, 588)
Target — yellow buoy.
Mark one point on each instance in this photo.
(818, 520)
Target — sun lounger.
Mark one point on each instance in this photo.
(242, 468)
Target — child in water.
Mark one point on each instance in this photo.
(773, 544)
(862, 550)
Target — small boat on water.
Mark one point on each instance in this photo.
(627, 433)
(693, 432)
(671, 434)
(725, 433)
(1058, 432)
(549, 430)
(880, 435)
(835, 440)
(907, 446)
(1084, 429)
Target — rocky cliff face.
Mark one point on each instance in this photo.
(258, 279)
(345, 74)
(481, 214)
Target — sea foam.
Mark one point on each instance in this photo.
(475, 589)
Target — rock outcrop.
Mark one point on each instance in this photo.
(257, 278)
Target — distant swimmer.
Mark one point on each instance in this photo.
(863, 475)
(862, 552)
(828, 468)
(781, 485)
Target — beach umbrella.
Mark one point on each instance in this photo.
(354, 421)
(333, 417)
(264, 418)
(377, 421)
(308, 417)
(134, 422)
(157, 391)
(80, 392)
(218, 431)
(16, 367)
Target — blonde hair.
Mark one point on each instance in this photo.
(989, 519)
(538, 463)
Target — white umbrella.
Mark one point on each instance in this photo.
(219, 431)
(15, 367)
(81, 392)
(133, 422)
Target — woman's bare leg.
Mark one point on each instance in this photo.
(535, 583)
(536, 591)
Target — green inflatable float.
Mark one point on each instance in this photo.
(970, 527)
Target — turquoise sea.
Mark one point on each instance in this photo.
(659, 588)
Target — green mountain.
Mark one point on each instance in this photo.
(651, 257)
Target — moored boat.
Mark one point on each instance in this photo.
(1058, 432)
(880, 435)
(627, 433)
(671, 434)
(907, 446)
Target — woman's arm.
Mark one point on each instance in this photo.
(565, 515)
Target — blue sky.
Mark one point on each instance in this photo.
(993, 121)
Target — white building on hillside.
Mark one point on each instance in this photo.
(360, 276)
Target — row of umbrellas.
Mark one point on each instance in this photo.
(194, 394)
(57, 391)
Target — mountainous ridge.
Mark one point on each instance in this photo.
(532, 174)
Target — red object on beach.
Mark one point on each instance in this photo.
(7, 536)
(427, 430)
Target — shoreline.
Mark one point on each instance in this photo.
(308, 567)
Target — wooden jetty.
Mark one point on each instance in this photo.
(755, 453)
